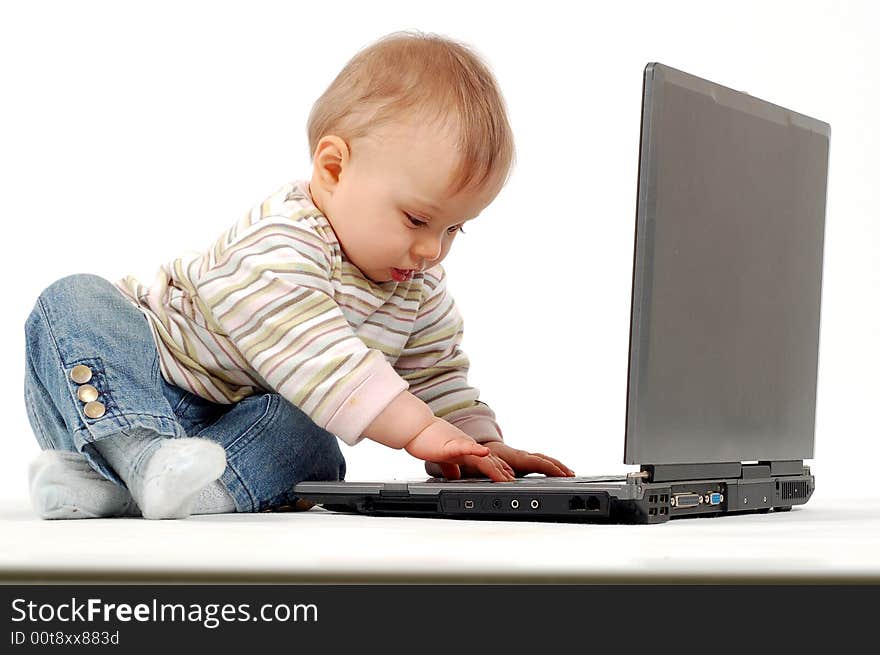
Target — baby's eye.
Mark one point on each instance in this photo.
(416, 222)
(455, 228)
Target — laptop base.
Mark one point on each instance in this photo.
(607, 499)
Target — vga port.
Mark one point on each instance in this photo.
(686, 500)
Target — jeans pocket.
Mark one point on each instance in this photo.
(253, 420)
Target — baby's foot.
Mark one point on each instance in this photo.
(64, 486)
(176, 473)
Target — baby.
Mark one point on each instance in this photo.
(322, 314)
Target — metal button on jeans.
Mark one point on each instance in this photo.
(94, 409)
(87, 393)
(81, 374)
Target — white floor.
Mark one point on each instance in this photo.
(828, 540)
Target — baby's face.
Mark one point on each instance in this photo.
(391, 208)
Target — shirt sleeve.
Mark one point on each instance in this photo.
(267, 288)
(436, 367)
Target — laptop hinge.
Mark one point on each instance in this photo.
(786, 467)
(673, 472)
(756, 471)
(396, 489)
(721, 470)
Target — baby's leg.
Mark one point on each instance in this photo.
(272, 445)
(93, 386)
(163, 475)
(64, 486)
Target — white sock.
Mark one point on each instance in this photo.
(214, 499)
(163, 475)
(64, 486)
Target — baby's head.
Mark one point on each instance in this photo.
(410, 141)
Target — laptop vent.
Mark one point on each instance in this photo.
(797, 489)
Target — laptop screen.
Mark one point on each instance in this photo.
(727, 276)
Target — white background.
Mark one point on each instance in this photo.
(130, 133)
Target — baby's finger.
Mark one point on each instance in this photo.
(450, 471)
(557, 462)
(490, 467)
(507, 468)
(503, 465)
(498, 460)
(462, 447)
(494, 473)
(511, 474)
(540, 465)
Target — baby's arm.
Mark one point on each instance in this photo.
(268, 289)
(410, 424)
(436, 369)
(434, 365)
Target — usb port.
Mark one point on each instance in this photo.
(468, 504)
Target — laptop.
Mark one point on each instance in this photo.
(724, 328)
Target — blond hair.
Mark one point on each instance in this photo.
(409, 72)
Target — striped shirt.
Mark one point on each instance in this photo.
(274, 305)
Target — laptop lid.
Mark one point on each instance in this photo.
(727, 276)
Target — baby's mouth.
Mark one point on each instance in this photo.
(401, 274)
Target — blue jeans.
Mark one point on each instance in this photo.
(83, 320)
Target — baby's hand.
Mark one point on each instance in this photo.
(449, 447)
(522, 462)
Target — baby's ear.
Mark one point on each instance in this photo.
(331, 157)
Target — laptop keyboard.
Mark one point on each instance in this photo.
(540, 479)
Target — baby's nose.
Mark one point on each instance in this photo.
(429, 248)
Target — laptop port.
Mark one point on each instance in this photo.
(534, 504)
(496, 503)
(713, 498)
(468, 504)
(514, 503)
(686, 500)
(590, 503)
